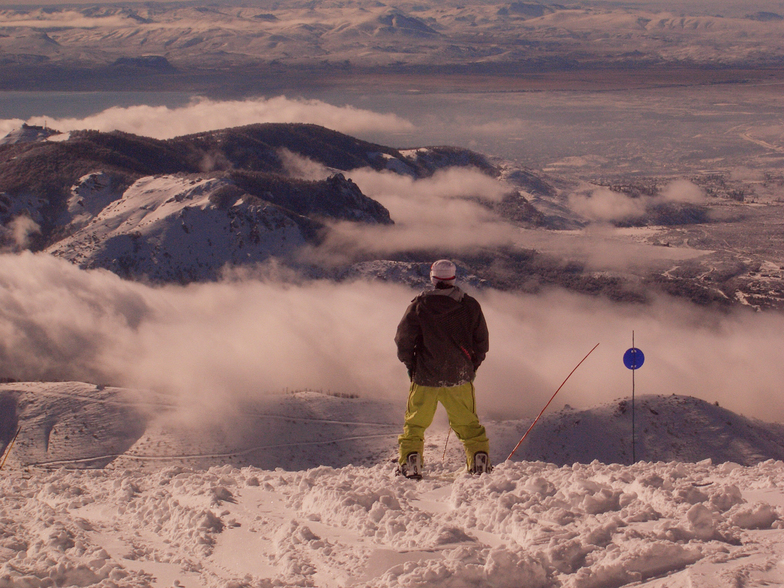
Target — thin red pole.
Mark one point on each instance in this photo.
(10, 447)
(548, 403)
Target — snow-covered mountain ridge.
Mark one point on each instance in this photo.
(181, 210)
(158, 516)
(136, 235)
(28, 134)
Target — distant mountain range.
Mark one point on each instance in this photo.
(187, 46)
(374, 33)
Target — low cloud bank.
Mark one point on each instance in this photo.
(443, 212)
(603, 204)
(162, 122)
(217, 345)
(447, 211)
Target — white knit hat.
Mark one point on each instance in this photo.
(443, 271)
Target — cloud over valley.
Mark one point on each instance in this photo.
(217, 345)
(445, 212)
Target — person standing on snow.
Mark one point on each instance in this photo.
(442, 340)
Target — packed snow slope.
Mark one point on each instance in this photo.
(80, 425)
(117, 487)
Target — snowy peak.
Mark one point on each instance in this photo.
(180, 210)
(183, 209)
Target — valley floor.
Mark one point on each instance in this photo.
(239, 81)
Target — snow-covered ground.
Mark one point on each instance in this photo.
(114, 487)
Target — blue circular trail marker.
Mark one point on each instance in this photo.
(633, 358)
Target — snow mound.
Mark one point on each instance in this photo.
(78, 425)
(81, 425)
(667, 428)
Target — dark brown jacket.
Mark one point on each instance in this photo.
(442, 338)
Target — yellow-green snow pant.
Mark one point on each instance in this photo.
(460, 404)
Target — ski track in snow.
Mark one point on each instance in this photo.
(532, 524)
(190, 456)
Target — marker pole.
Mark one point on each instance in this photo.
(634, 413)
(633, 359)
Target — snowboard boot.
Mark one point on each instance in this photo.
(412, 469)
(481, 463)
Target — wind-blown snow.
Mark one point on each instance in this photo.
(156, 520)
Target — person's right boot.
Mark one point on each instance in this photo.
(481, 463)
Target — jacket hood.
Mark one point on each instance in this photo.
(454, 293)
